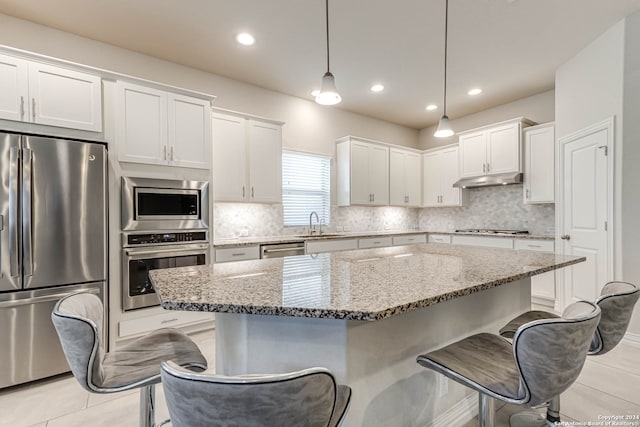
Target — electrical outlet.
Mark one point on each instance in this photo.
(443, 385)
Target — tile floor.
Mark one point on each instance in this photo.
(608, 385)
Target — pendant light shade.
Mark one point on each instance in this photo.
(328, 93)
(444, 129)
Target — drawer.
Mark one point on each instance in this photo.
(488, 242)
(168, 319)
(375, 242)
(333, 245)
(439, 238)
(410, 239)
(237, 254)
(535, 245)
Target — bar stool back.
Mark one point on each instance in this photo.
(78, 321)
(309, 398)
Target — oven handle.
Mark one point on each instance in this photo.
(166, 251)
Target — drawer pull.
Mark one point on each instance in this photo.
(238, 254)
(174, 319)
(534, 246)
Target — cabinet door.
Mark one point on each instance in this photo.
(189, 129)
(360, 193)
(141, 129)
(14, 93)
(431, 179)
(379, 174)
(229, 158)
(397, 181)
(503, 149)
(65, 98)
(413, 179)
(265, 162)
(449, 174)
(539, 169)
(473, 154)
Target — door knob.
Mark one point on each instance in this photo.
(565, 237)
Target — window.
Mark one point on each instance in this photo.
(305, 188)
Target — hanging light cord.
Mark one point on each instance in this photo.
(327, 32)
(446, 28)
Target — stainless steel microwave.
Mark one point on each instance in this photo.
(162, 204)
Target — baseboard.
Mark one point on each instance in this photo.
(631, 339)
(459, 414)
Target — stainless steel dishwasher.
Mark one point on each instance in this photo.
(279, 250)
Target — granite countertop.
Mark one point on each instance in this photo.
(369, 284)
(257, 240)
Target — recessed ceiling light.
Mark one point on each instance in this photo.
(432, 107)
(475, 91)
(377, 88)
(315, 93)
(245, 39)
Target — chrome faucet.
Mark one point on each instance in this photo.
(312, 230)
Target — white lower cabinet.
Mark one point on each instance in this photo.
(543, 286)
(166, 319)
(332, 245)
(241, 253)
(411, 239)
(490, 242)
(375, 242)
(439, 238)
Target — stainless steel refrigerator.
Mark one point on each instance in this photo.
(53, 242)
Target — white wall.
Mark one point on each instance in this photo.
(599, 82)
(539, 108)
(309, 127)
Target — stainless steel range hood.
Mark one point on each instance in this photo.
(487, 181)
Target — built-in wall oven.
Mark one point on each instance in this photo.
(164, 225)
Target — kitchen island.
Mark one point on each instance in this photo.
(363, 314)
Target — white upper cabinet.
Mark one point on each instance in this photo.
(492, 150)
(247, 159)
(162, 128)
(404, 178)
(439, 171)
(539, 164)
(44, 94)
(363, 172)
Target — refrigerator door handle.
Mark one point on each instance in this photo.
(27, 191)
(43, 298)
(14, 267)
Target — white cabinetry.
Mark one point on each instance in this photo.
(440, 169)
(410, 239)
(439, 238)
(241, 253)
(331, 245)
(539, 164)
(363, 172)
(492, 150)
(543, 286)
(165, 319)
(489, 242)
(162, 128)
(39, 93)
(247, 159)
(404, 177)
(375, 242)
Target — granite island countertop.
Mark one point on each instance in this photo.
(370, 284)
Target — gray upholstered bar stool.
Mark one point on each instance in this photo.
(309, 398)
(78, 320)
(616, 301)
(529, 372)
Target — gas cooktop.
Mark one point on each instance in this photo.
(492, 231)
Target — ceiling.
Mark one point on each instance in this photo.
(509, 48)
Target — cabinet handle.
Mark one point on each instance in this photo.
(164, 152)
(373, 197)
(527, 193)
(33, 109)
(171, 153)
(484, 168)
(243, 192)
(174, 319)
(534, 246)
(238, 254)
(565, 237)
(22, 108)
(252, 192)
(488, 167)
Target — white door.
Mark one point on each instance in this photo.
(412, 179)
(265, 162)
(189, 131)
(585, 209)
(473, 154)
(229, 158)
(450, 173)
(503, 149)
(379, 174)
(397, 190)
(431, 179)
(14, 89)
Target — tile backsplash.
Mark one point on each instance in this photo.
(492, 207)
(489, 207)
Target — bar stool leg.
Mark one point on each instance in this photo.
(147, 406)
(486, 412)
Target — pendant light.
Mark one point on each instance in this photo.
(444, 129)
(328, 93)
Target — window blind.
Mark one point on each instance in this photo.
(305, 188)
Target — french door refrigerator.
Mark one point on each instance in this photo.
(53, 234)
